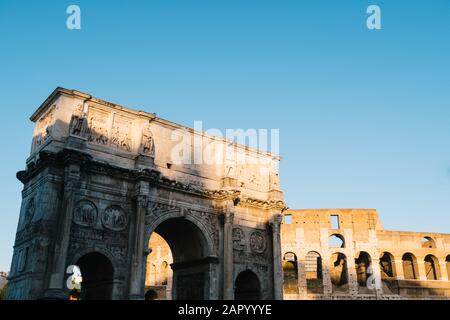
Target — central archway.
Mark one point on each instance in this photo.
(247, 286)
(190, 254)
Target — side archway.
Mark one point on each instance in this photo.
(98, 276)
(247, 286)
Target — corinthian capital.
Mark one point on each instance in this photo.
(228, 217)
(276, 220)
(141, 201)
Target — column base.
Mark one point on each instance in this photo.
(55, 294)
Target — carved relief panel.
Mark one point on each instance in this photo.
(98, 126)
(101, 225)
(238, 239)
(258, 242)
(115, 218)
(29, 213)
(85, 214)
(43, 127)
(250, 248)
(121, 135)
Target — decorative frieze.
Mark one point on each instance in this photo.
(44, 127)
(157, 209)
(98, 127)
(121, 135)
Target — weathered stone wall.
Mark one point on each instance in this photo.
(389, 254)
(102, 178)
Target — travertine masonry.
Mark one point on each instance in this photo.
(346, 254)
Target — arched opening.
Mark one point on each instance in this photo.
(338, 272)
(388, 273)
(410, 266)
(98, 274)
(179, 251)
(313, 268)
(362, 265)
(447, 263)
(336, 241)
(428, 243)
(290, 273)
(432, 270)
(387, 266)
(247, 286)
(151, 295)
(363, 271)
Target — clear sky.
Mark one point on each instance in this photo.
(364, 116)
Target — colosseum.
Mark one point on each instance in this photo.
(102, 192)
(342, 254)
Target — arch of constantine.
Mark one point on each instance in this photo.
(104, 190)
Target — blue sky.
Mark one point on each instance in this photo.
(364, 116)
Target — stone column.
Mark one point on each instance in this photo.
(443, 270)
(139, 249)
(399, 269)
(277, 267)
(377, 276)
(57, 289)
(352, 277)
(421, 272)
(301, 281)
(326, 277)
(228, 270)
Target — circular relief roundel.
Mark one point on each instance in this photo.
(114, 218)
(85, 214)
(257, 242)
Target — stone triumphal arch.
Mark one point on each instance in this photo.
(101, 180)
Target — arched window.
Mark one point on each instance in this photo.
(290, 273)
(362, 264)
(338, 272)
(432, 270)
(164, 273)
(288, 219)
(313, 268)
(410, 266)
(387, 266)
(336, 241)
(428, 242)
